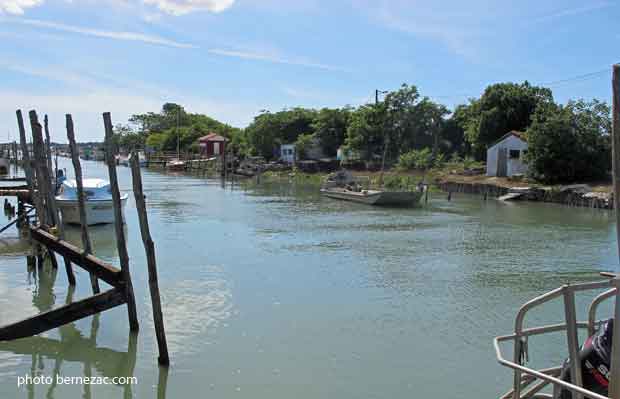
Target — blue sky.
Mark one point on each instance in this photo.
(231, 59)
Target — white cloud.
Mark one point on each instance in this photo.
(273, 58)
(87, 107)
(17, 6)
(87, 99)
(569, 12)
(180, 7)
(127, 36)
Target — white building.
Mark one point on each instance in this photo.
(506, 157)
(287, 153)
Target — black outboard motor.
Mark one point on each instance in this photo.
(595, 358)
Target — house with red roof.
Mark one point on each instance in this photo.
(212, 145)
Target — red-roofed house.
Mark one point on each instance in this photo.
(506, 157)
(212, 144)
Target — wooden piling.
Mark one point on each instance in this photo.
(44, 183)
(46, 217)
(48, 147)
(118, 222)
(27, 164)
(614, 380)
(75, 158)
(39, 164)
(149, 248)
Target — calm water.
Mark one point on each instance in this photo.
(271, 291)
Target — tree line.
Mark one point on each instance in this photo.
(566, 142)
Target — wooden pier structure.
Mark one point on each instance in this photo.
(47, 236)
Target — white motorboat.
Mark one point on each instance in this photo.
(123, 160)
(99, 207)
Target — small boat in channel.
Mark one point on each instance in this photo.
(176, 165)
(98, 203)
(343, 186)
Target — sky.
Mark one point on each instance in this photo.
(231, 59)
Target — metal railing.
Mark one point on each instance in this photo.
(525, 376)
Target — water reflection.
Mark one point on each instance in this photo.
(102, 237)
(14, 246)
(73, 346)
(198, 306)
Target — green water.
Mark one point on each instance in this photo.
(271, 291)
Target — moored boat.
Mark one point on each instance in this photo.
(343, 186)
(374, 197)
(98, 203)
(176, 165)
(123, 160)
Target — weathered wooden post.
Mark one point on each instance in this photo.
(149, 248)
(27, 165)
(48, 147)
(38, 166)
(118, 222)
(44, 184)
(86, 244)
(614, 380)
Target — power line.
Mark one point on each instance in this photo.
(555, 83)
(586, 76)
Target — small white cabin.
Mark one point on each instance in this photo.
(288, 153)
(506, 157)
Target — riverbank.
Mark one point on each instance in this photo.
(591, 195)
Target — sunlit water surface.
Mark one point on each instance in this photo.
(270, 291)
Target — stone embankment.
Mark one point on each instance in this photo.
(580, 195)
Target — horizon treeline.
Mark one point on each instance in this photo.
(566, 142)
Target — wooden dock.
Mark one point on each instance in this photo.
(47, 236)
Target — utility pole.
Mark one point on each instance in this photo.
(385, 138)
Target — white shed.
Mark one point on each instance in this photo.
(288, 153)
(506, 157)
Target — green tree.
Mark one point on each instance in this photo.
(156, 140)
(269, 130)
(571, 142)
(402, 122)
(365, 131)
(501, 108)
(172, 122)
(128, 139)
(303, 144)
(330, 128)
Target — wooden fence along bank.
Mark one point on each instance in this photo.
(46, 231)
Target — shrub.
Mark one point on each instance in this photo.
(399, 183)
(416, 159)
